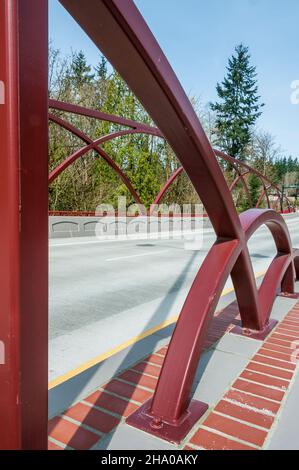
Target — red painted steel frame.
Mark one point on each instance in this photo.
(91, 145)
(140, 128)
(76, 109)
(139, 60)
(24, 208)
(24, 219)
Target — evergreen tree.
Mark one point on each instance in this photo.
(281, 168)
(101, 69)
(254, 189)
(239, 105)
(80, 71)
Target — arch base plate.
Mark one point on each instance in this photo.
(294, 295)
(254, 334)
(173, 432)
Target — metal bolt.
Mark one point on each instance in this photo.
(156, 423)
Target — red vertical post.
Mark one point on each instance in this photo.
(24, 219)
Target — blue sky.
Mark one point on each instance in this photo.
(198, 36)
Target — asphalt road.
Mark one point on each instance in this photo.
(100, 289)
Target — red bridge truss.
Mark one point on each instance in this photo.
(242, 170)
(121, 33)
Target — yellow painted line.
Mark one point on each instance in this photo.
(107, 354)
(101, 357)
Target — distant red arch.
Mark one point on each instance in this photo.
(140, 128)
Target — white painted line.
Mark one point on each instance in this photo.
(89, 242)
(139, 239)
(135, 256)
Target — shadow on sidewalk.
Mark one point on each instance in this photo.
(220, 324)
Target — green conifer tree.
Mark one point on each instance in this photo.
(101, 69)
(80, 71)
(239, 105)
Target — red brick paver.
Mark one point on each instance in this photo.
(247, 411)
(241, 420)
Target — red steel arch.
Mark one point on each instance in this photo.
(139, 128)
(91, 145)
(119, 30)
(238, 178)
(133, 51)
(248, 170)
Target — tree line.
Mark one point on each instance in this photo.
(230, 123)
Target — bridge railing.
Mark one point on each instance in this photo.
(121, 33)
(242, 170)
(136, 55)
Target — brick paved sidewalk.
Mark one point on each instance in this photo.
(241, 420)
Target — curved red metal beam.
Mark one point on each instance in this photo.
(278, 195)
(190, 331)
(168, 183)
(180, 170)
(164, 99)
(76, 109)
(134, 52)
(233, 162)
(252, 170)
(267, 196)
(252, 219)
(263, 193)
(237, 179)
(91, 146)
(69, 127)
(137, 127)
(280, 271)
(241, 177)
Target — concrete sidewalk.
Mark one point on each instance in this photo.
(250, 387)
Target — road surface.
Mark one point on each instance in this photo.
(104, 293)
